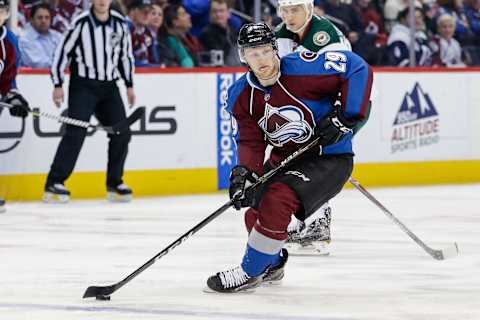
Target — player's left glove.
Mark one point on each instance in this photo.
(333, 127)
(240, 178)
(19, 107)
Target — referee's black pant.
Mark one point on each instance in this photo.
(85, 98)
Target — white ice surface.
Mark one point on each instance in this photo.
(49, 255)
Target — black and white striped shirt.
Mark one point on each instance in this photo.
(95, 50)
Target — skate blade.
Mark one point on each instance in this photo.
(114, 197)
(49, 197)
(296, 249)
(271, 283)
(245, 291)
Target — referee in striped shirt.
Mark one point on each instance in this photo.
(98, 50)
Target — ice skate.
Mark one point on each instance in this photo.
(120, 193)
(312, 237)
(274, 275)
(233, 281)
(56, 193)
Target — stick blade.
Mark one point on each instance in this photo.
(447, 253)
(94, 291)
(451, 251)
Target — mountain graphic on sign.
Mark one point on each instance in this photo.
(416, 105)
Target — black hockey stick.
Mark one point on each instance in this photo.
(115, 129)
(104, 292)
(446, 253)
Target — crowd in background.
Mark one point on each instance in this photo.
(188, 33)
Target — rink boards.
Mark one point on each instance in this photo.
(423, 129)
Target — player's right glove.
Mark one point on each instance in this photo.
(19, 107)
(333, 127)
(240, 178)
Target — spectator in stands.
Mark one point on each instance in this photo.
(318, 9)
(446, 50)
(374, 38)
(267, 16)
(349, 16)
(371, 18)
(219, 35)
(172, 53)
(179, 26)
(119, 5)
(22, 14)
(64, 13)
(167, 56)
(143, 40)
(472, 11)
(391, 10)
(349, 20)
(161, 3)
(199, 11)
(155, 18)
(398, 43)
(455, 8)
(38, 43)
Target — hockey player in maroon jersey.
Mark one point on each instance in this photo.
(287, 103)
(9, 58)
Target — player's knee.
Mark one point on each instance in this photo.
(251, 216)
(276, 208)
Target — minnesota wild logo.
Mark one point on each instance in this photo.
(321, 38)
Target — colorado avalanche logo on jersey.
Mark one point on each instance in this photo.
(308, 56)
(285, 124)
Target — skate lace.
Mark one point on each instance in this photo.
(233, 277)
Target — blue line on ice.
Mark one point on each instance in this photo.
(125, 310)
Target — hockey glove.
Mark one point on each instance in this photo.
(19, 107)
(240, 178)
(333, 127)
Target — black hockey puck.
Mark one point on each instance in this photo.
(102, 297)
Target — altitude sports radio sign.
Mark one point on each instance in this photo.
(419, 116)
(417, 122)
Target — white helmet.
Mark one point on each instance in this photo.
(282, 3)
(307, 4)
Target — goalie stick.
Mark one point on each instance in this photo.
(115, 129)
(104, 292)
(446, 253)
